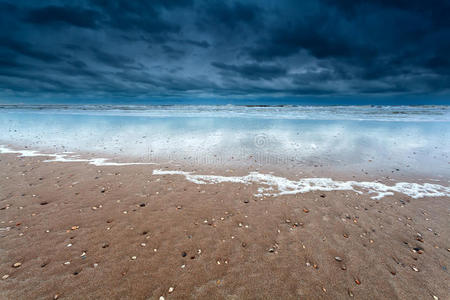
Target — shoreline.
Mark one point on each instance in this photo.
(207, 174)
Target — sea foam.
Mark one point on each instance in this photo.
(272, 185)
(67, 157)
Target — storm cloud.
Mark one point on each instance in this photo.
(217, 49)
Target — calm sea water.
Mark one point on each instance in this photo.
(390, 138)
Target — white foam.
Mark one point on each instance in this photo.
(276, 186)
(68, 157)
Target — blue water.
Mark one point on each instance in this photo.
(416, 139)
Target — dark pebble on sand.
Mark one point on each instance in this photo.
(244, 244)
(183, 254)
(142, 204)
(322, 195)
(246, 201)
(44, 203)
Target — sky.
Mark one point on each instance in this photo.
(323, 51)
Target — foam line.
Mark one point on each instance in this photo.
(277, 186)
(67, 157)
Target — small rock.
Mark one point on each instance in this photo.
(56, 297)
(244, 244)
(142, 205)
(357, 281)
(133, 257)
(337, 258)
(306, 210)
(17, 264)
(415, 268)
(271, 250)
(67, 263)
(161, 298)
(246, 201)
(75, 227)
(171, 290)
(183, 254)
(143, 244)
(6, 276)
(322, 196)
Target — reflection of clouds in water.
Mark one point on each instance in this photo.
(339, 141)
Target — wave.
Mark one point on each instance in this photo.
(273, 186)
(426, 113)
(67, 157)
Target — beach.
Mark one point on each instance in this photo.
(80, 221)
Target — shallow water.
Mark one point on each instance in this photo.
(415, 139)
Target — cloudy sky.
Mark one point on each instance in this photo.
(191, 49)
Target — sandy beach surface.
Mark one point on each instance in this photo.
(72, 230)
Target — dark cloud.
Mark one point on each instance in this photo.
(253, 71)
(26, 49)
(113, 60)
(68, 15)
(230, 48)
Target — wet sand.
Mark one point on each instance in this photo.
(79, 231)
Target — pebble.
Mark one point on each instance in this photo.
(56, 296)
(133, 257)
(161, 298)
(337, 258)
(271, 250)
(5, 276)
(143, 244)
(171, 290)
(183, 254)
(415, 268)
(75, 227)
(67, 263)
(17, 264)
(69, 245)
(95, 265)
(357, 282)
(306, 210)
(246, 201)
